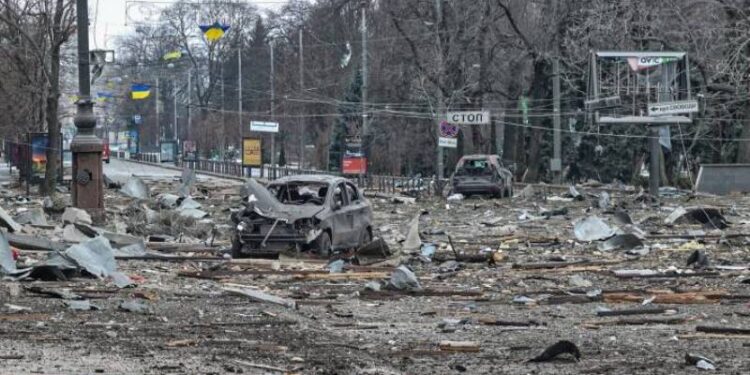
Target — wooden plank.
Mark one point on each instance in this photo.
(667, 298)
(723, 330)
(643, 311)
(24, 242)
(459, 346)
(257, 295)
(678, 319)
(344, 276)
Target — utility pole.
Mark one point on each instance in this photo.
(87, 186)
(301, 89)
(223, 116)
(158, 123)
(440, 105)
(273, 111)
(190, 103)
(239, 93)
(556, 162)
(174, 109)
(365, 128)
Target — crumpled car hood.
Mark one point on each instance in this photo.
(267, 205)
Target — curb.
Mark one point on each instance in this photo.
(178, 169)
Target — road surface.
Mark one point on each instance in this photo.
(120, 170)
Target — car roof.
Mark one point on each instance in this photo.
(319, 178)
(478, 156)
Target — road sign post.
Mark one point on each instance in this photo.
(673, 108)
(448, 135)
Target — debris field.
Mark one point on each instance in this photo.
(583, 280)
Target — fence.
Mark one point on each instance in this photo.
(410, 186)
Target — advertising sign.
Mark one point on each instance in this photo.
(168, 151)
(354, 165)
(39, 144)
(251, 152)
(133, 141)
(265, 127)
(638, 63)
(189, 150)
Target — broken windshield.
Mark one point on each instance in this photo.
(300, 193)
(475, 167)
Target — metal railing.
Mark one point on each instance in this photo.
(410, 186)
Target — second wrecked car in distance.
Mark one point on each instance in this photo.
(308, 212)
(482, 174)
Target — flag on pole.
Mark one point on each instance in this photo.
(140, 91)
(215, 31)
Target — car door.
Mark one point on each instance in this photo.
(361, 215)
(341, 219)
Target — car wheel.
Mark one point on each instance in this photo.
(106, 161)
(364, 238)
(236, 247)
(323, 244)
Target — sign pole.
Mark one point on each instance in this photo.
(556, 162)
(654, 170)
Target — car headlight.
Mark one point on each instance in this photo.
(241, 226)
(304, 223)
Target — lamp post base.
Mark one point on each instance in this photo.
(87, 184)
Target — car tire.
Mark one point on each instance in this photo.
(236, 247)
(364, 238)
(106, 161)
(323, 245)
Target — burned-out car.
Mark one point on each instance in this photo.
(482, 174)
(312, 212)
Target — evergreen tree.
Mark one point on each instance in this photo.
(348, 123)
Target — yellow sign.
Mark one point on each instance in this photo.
(251, 152)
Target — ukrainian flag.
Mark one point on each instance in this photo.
(140, 91)
(214, 32)
(173, 55)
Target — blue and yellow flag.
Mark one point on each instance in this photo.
(140, 91)
(172, 55)
(214, 32)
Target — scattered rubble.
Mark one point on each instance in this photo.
(613, 271)
(592, 228)
(7, 221)
(135, 188)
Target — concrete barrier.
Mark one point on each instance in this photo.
(723, 179)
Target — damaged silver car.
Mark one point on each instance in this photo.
(482, 174)
(317, 213)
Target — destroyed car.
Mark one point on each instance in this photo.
(320, 213)
(482, 174)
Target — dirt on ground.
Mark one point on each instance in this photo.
(500, 280)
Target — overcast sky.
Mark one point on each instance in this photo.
(111, 18)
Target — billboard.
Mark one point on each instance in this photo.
(133, 141)
(251, 152)
(354, 165)
(168, 151)
(189, 150)
(39, 144)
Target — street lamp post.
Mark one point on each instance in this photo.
(87, 148)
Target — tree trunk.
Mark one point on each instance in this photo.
(539, 91)
(743, 150)
(53, 124)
